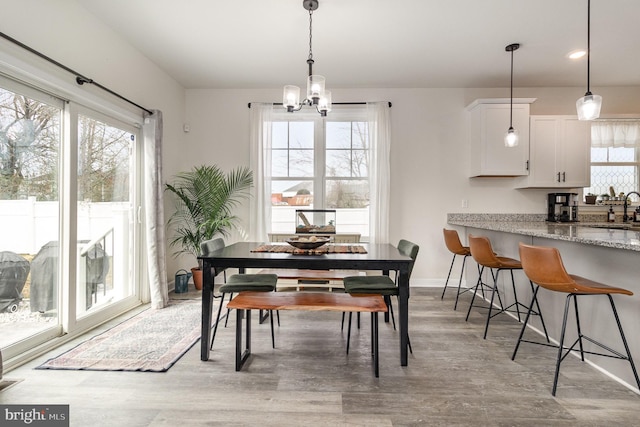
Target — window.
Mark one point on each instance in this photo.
(614, 167)
(320, 163)
(615, 156)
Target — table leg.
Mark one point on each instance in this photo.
(207, 306)
(403, 302)
(386, 313)
(241, 357)
(374, 339)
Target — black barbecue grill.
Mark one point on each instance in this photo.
(14, 270)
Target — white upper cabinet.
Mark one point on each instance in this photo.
(488, 122)
(560, 152)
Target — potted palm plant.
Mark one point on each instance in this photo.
(204, 200)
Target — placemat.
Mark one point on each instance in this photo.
(325, 249)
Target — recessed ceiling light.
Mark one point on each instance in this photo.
(576, 54)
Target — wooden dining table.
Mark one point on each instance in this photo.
(243, 255)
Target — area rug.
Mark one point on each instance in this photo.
(151, 341)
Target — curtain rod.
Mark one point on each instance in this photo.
(333, 103)
(80, 79)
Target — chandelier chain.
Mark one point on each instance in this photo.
(310, 34)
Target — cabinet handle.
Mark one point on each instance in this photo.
(564, 177)
(558, 176)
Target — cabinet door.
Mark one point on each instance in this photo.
(487, 127)
(574, 153)
(560, 152)
(543, 168)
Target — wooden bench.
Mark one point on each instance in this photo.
(308, 301)
(330, 279)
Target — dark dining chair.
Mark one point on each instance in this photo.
(380, 284)
(238, 283)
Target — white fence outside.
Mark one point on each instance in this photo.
(27, 225)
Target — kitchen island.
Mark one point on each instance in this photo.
(607, 255)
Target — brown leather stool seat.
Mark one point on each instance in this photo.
(544, 267)
(454, 245)
(483, 254)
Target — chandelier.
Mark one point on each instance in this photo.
(316, 94)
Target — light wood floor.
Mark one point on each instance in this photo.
(454, 378)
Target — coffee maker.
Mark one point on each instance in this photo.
(562, 207)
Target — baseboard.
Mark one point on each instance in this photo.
(436, 283)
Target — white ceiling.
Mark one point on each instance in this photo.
(381, 43)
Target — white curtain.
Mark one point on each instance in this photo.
(260, 136)
(615, 133)
(379, 170)
(154, 212)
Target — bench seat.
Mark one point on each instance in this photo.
(307, 301)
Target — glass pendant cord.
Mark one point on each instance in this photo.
(588, 47)
(511, 94)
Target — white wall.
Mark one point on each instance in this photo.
(429, 155)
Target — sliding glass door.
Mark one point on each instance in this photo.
(69, 251)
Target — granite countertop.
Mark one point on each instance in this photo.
(589, 233)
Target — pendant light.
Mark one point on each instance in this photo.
(589, 105)
(316, 94)
(511, 137)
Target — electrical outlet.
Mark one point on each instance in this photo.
(465, 203)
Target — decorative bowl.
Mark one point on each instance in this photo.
(308, 244)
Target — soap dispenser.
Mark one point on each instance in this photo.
(612, 215)
(636, 215)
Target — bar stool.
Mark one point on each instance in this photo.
(483, 254)
(544, 267)
(452, 241)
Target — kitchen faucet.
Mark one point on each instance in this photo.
(625, 217)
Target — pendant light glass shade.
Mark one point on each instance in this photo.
(589, 106)
(511, 138)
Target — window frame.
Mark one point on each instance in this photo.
(320, 178)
